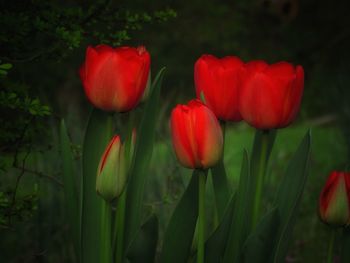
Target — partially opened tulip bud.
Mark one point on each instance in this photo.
(219, 81)
(114, 79)
(334, 202)
(196, 135)
(271, 94)
(112, 171)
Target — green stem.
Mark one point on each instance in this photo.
(120, 227)
(105, 254)
(201, 218)
(331, 246)
(261, 176)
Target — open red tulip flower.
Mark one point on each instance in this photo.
(114, 79)
(196, 135)
(270, 95)
(334, 202)
(219, 81)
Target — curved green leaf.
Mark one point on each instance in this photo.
(239, 228)
(289, 196)
(221, 187)
(143, 248)
(216, 243)
(141, 160)
(179, 233)
(259, 245)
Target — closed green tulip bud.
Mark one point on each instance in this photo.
(112, 171)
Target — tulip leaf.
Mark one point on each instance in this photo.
(259, 244)
(221, 187)
(141, 159)
(143, 248)
(215, 245)
(97, 135)
(345, 251)
(239, 229)
(289, 196)
(180, 230)
(260, 138)
(70, 182)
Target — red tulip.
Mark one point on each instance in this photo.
(219, 81)
(334, 203)
(271, 94)
(196, 135)
(114, 79)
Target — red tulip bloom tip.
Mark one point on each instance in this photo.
(114, 79)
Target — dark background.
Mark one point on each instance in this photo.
(42, 44)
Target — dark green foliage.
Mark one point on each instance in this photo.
(143, 248)
(180, 230)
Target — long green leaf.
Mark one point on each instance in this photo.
(259, 245)
(215, 245)
(70, 179)
(289, 196)
(97, 135)
(143, 248)
(141, 160)
(221, 187)
(179, 233)
(239, 228)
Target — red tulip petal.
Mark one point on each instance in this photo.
(218, 79)
(180, 136)
(208, 135)
(115, 142)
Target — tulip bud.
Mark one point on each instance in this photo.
(112, 171)
(196, 135)
(219, 81)
(270, 95)
(114, 79)
(334, 202)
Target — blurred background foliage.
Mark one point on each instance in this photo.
(43, 44)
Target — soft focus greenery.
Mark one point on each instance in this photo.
(39, 85)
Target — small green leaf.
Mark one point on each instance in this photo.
(259, 245)
(239, 229)
(143, 248)
(289, 196)
(179, 233)
(6, 66)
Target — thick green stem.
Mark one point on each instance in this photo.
(260, 177)
(120, 227)
(105, 253)
(331, 246)
(201, 218)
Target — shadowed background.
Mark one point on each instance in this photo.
(45, 44)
